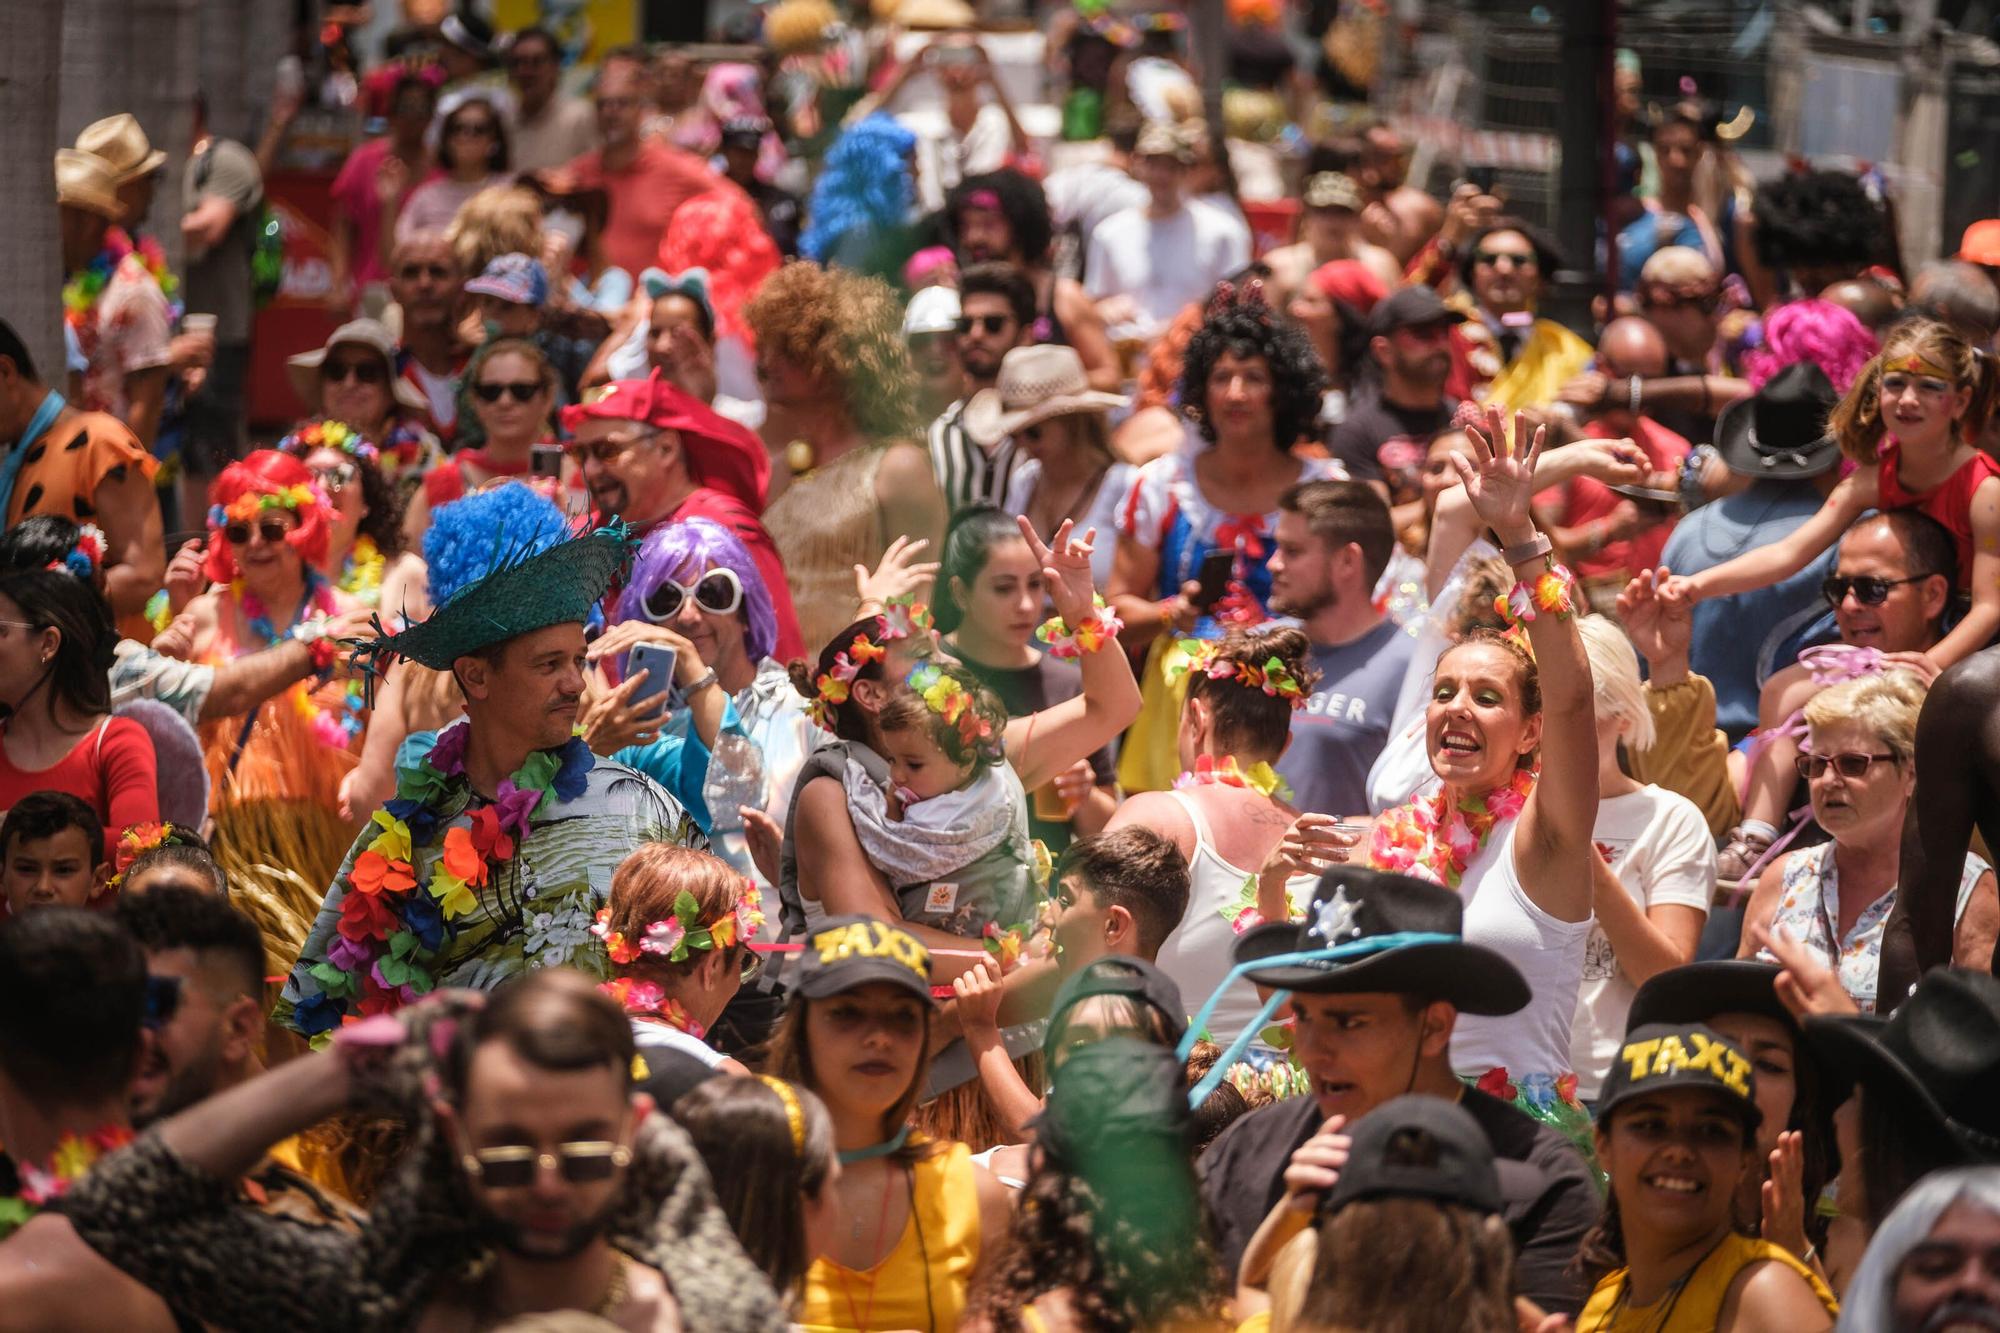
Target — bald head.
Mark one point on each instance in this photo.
(1631, 346)
(1961, 295)
(1872, 303)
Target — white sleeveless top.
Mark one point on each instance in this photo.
(1197, 954)
(1547, 951)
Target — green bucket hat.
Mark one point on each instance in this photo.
(556, 586)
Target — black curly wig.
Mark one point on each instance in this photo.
(1240, 322)
(1815, 219)
(1022, 203)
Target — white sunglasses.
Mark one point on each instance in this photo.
(719, 592)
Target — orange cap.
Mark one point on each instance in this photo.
(1981, 243)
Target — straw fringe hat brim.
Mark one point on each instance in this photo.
(988, 421)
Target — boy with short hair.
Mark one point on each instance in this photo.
(51, 853)
(1121, 892)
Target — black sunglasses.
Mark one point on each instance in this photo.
(273, 529)
(514, 1166)
(1867, 590)
(1492, 258)
(985, 323)
(367, 372)
(522, 391)
(163, 1001)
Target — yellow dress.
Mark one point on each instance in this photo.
(1697, 1305)
(922, 1284)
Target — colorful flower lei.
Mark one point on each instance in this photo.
(1091, 634)
(944, 695)
(1550, 592)
(903, 616)
(389, 929)
(1425, 839)
(1260, 777)
(85, 555)
(81, 290)
(674, 937)
(252, 503)
(334, 730)
(327, 433)
(1205, 655)
(361, 571)
(41, 1186)
(645, 997)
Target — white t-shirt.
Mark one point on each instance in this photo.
(1163, 264)
(1658, 845)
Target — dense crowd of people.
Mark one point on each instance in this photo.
(837, 715)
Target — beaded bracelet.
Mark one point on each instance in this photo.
(321, 648)
(1549, 592)
(1092, 633)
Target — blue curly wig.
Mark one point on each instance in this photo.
(866, 183)
(470, 538)
(684, 550)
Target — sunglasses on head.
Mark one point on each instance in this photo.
(273, 530)
(993, 324)
(718, 592)
(522, 391)
(333, 480)
(1867, 590)
(364, 372)
(163, 1000)
(1855, 765)
(514, 1166)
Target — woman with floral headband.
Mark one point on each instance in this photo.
(275, 773)
(1512, 735)
(364, 551)
(677, 930)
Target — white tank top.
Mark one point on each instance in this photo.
(1548, 953)
(1196, 955)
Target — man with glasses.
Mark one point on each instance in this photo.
(996, 305)
(1400, 402)
(1504, 355)
(651, 456)
(548, 126)
(424, 279)
(643, 179)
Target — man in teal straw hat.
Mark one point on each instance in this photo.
(497, 852)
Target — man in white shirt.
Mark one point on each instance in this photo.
(1144, 264)
(548, 127)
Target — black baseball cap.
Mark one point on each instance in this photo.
(1421, 1147)
(1664, 1057)
(1120, 974)
(1412, 307)
(847, 952)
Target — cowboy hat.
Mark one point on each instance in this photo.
(303, 370)
(84, 180)
(1035, 384)
(122, 143)
(1353, 905)
(1779, 432)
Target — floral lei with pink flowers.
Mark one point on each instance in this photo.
(1436, 838)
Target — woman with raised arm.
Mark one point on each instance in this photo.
(1512, 736)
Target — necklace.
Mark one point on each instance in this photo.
(335, 729)
(1433, 842)
(1037, 510)
(1260, 777)
(860, 1317)
(617, 1289)
(39, 1186)
(361, 571)
(892, 1144)
(1672, 1295)
(645, 1000)
(82, 290)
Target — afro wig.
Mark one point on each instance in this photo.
(1813, 219)
(842, 328)
(267, 472)
(1241, 323)
(684, 552)
(468, 539)
(1014, 196)
(866, 183)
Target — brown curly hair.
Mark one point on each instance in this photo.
(842, 328)
(1246, 719)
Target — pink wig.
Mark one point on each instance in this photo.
(266, 472)
(1812, 330)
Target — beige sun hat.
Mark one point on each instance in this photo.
(84, 180)
(935, 15)
(303, 369)
(121, 141)
(1035, 384)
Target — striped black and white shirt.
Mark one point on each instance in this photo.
(967, 474)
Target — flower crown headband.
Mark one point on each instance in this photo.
(674, 937)
(252, 503)
(140, 839)
(1274, 678)
(84, 555)
(944, 695)
(327, 433)
(902, 617)
(1249, 298)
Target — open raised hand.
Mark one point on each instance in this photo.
(1499, 476)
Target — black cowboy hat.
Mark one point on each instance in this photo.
(1939, 1056)
(1780, 431)
(1353, 904)
(1696, 992)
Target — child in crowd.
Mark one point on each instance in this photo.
(161, 856)
(1911, 422)
(53, 850)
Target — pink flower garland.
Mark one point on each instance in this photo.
(1425, 839)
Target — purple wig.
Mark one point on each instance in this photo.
(701, 544)
(1812, 330)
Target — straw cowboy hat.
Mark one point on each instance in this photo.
(84, 180)
(122, 143)
(303, 370)
(1035, 384)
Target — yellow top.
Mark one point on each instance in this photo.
(1697, 1306)
(922, 1283)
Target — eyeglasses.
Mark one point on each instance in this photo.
(411, 272)
(1867, 590)
(337, 478)
(718, 592)
(993, 324)
(163, 1001)
(752, 965)
(1813, 766)
(522, 391)
(473, 129)
(606, 449)
(514, 1166)
(273, 530)
(1493, 258)
(365, 372)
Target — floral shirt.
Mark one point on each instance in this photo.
(537, 913)
(131, 328)
(1810, 905)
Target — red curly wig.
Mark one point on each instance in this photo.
(266, 472)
